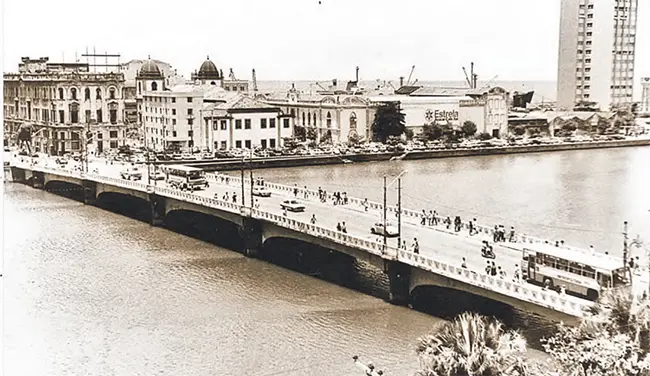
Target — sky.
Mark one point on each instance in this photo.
(305, 40)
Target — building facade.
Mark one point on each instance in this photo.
(342, 117)
(596, 52)
(66, 105)
(244, 122)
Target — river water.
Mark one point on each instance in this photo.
(90, 292)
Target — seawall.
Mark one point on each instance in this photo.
(318, 160)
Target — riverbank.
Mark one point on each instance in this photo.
(320, 160)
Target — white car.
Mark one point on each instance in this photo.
(378, 229)
(131, 173)
(292, 205)
(261, 192)
(158, 175)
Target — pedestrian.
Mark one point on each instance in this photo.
(457, 223)
(512, 234)
(463, 264)
(471, 227)
(365, 204)
(234, 197)
(435, 218)
(592, 249)
(430, 217)
(495, 234)
(338, 227)
(313, 219)
(306, 192)
(488, 268)
(423, 218)
(493, 269)
(404, 245)
(284, 211)
(343, 228)
(515, 273)
(502, 273)
(448, 223)
(416, 246)
(295, 190)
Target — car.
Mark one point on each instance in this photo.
(61, 161)
(131, 173)
(378, 229)
(261, 192)
(292, 205)
(158, 175)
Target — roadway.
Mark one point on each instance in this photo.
(434, 241)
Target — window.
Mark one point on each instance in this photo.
(189, 99)
(75, 145)
(74, 136)
(303, 118)
(590, 24)
(328, 119)
(189, 111)
(173, 121)
(224, 145)
(248, 144)
(139, 87)
(113, 144)
(353, 121)
(173, 133)
(87, 94)
(263, 144)
(224, 125)
(73, 94)
(100, 135)
(173, 111)
(238, 144)
(190, 133)
(589, 33)
(247, 123)
(190, 121)
(112, 134)
(74, 114)
(271, 123)
(62, 135)
(154, 86)
(308, 118)
(99, 116)
(111, 93)
(238, 124)
(263, 123)
(272, 143)
(588, 52)
(241, 88)
(113, 116)
(285, 123)
(88, 116)
(173, 100)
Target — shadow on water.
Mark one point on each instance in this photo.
(128, 206)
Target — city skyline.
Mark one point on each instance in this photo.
(289, 39)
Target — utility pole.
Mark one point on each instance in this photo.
(250, 167)
(399, 212)
(625, 245)
(385, 213)
(242, 181)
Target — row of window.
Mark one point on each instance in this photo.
(165, 99)
(75, 135)
(98, 93)
(264, 144)
(264, 124)
(74, 116)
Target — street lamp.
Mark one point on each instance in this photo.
(399, 207)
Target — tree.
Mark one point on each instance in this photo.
(389, 121)
(469, 128)
(354, 139)
(472, 345)
(311, 134)
(612, 340)
(409, 134)
(327, 138)
(519, 130)
(300, 133)
(603, 125)
(484, 136)
(431, 132)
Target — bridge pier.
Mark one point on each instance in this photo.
(157, 204)
(251, 233)
(89, 189)
(399, 275)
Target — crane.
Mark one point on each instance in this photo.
(410, 74)
(467, 78)
(472, 78)
(254, 80)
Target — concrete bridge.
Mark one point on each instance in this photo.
(406, 270)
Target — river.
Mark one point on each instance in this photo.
(90, 292)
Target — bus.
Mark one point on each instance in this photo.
(186, 177)
(581, 273)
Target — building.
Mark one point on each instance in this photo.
(65, 103)
(339, 118)
(596, 53)
(487, 107)
(644, 108)
(246, 122)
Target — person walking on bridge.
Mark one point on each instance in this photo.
(416, 246)
(313, 219)
(295, 190)
(344, 229)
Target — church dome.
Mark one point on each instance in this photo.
(208, 71)
(150, 69)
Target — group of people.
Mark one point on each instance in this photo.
(226, 197)
(499, 234)
(340, 227)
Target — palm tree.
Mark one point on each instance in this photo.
(472, 345)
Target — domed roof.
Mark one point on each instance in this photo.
(150, 69)
(208, 71)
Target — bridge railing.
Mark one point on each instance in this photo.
(519, 290)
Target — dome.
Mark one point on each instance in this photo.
(208, 71)
(150, 69)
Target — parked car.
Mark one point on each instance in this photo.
(261, 192)
(131, 173)
(390, 231)
(158, 175)
(61, 161)
(292, 205)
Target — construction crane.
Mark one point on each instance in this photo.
(472, 79)
(469, 83)
(254, 80)
(410, 75)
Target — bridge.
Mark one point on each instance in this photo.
(438, 262)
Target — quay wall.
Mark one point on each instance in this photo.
(318, 160)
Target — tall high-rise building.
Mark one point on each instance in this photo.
(596, 54)
(645, 96)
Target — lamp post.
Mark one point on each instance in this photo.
(399, 207)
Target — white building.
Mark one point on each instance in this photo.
(245, 122)
(596, 53)
(645, 96)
